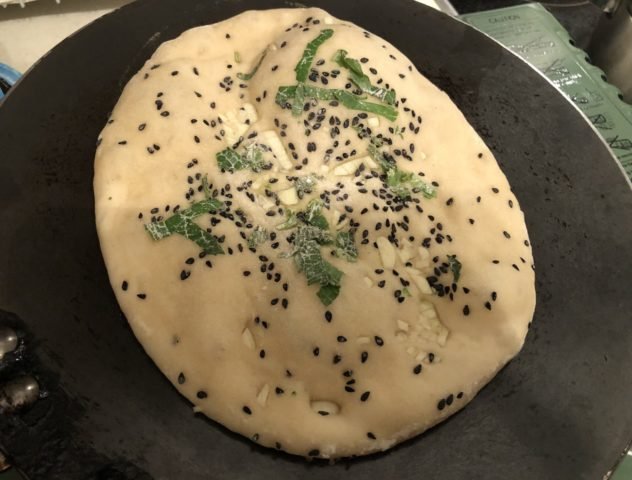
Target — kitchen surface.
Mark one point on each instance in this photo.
(552, 36)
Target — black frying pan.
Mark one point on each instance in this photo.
(560, 410)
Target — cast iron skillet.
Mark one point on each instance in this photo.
(560, 410)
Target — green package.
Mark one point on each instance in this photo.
(534, 34)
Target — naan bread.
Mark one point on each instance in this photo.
(441, 293)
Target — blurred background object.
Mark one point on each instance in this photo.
(611, 44)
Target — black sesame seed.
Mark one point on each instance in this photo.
(364, 356)
(246, 410)
(341, 339)
(328, 316)
(417, 369)
(184, 274)
(365, 396)
(441, 404)
(488, 305)
(337, 359)
(378, 341)
(459, 395)
(181, 378)
(279, 391)
(142, 296)
(370, 435)
(466, 310)
(124, 285)
(262, 354)
(506, 234)
(449, 400)
(201, 394)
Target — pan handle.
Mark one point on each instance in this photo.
(8, 77)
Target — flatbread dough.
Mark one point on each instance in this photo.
(409, 340)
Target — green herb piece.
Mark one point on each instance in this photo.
(328, 293)
(386, 163)
(349, 100)
(363, 82)
(399, 131)
(248, 76)
(254, 157)
(405, 184)
(313, 216)
(284, 95)
(309, 260)
(345, 247)
(305, 184)
(406, 292)
(304, 64)
(229, 160)
(182, 223)
(307, 233)
(299, 100)
(455, 266)
(206, 188)
(258, 236)
(291, 221)
(353, 102)
(237, 57)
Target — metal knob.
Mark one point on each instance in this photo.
(8, 341)
(18, 393)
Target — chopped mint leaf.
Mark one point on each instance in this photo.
(291, 221)
(455, 266)
(406, 292)
(237, 57)
(258, 236)
(304, 64)
(385, 162)
(349, 100)
(229, 160)
(307, 233)
(284, 95)
(399, 131)
(358, 77)
(402, 184)
(345, 246)
(248, 76)
(299, 100)
(328, 294)
(205, 187)
(305, 184)
(254, 157)
(354, 102)
(405, 184)
(182, 223)
(309, 260)
(313, 216)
